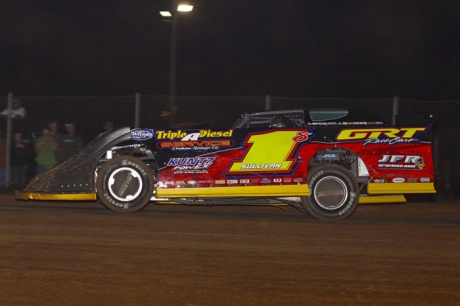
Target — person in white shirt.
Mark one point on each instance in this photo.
(17, 111)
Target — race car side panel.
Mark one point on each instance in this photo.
(193, 161)
(245, 158)
(398, 159)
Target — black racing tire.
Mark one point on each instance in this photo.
(125, 184)
(334, 193)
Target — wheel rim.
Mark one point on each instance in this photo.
(125, 184)
(330, 193)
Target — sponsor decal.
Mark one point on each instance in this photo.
(287, 180)
(182, 140)
(425, 179)
(191, 182)
(191, 161)
(255, 181)
(379, 180)
(398, 180)
(277, 158)
(298, 180)
(407, 162)
(184, 165)
(220, 182)
(187, 136)
(277, 180)
(195, 144)
(265, 181)
(389, 141)
(330, 193)
(141, 134)
(302, 136)
(389, 135)
(244, 181)
(232, 182)
(347, 123)
(261, 166)
(180, 183)
(420, 163)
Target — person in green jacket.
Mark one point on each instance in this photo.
(46, 147)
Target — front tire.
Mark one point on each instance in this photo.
(125, 184)
(333, 193)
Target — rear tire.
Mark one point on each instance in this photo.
(125, 184)
(333, 193)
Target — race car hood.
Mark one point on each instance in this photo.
(78, 171)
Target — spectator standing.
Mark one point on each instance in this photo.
(71, 143)
(17, 111)
(107, 126)
(46, 147)
(20, 159)
(53, 126)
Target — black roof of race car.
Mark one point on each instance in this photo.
(302, 117)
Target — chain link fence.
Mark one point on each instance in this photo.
(90, 112)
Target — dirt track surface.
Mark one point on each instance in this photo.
(61, 253)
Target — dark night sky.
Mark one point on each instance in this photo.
(298, 48)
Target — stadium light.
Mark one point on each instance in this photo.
(165, 13)
(185, 8)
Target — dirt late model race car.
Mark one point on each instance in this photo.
(322, 162)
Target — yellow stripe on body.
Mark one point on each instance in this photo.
(235, 191)
(56, 196)
(400, 188)
(385, 199)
